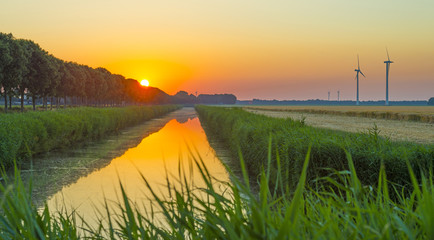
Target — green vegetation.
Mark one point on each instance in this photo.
(250, 133)
(322, 201)
(25, 134)
(351, 212)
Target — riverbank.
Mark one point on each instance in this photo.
(24, 135)
(285, 143)
(51, 171)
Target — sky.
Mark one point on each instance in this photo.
(278, 49)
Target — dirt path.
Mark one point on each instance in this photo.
(395, 130)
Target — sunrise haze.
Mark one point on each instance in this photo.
(253, 49)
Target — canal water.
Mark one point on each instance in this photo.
(167, 154)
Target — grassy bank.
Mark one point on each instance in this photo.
(23, 135)
(353, 212)
(404, 113)
(250, 134)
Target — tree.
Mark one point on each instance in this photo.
(217, 98)
(66, 82)
(183, 98)
(89, 83)
(53, 80)
(431, 101)
(115, 93)
(13, 63)
(17, 69)
(23, 81)
(75, 87)
(40, 72)
(5, 61)
(101, 76)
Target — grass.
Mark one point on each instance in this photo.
(16, 108)
(335, 205)
(249, 133)
(403, 113)
(350, 212)
(23, 135)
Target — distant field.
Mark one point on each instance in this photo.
(406, 113)
(413, 131)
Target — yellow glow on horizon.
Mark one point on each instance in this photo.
(166, 75)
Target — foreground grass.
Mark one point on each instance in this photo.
(23, 135)
(249, 133)
(350, 212)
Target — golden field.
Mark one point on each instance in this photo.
(330, 117)
(406, 113)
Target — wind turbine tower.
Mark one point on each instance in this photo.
(388, 62)
(328, 96)
(338, 95)
(357, 77)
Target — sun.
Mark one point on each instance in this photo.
(144, 82)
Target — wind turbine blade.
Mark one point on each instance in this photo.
(388, 58)
(362, 74)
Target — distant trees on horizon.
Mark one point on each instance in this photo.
(184, 98)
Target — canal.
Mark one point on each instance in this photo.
(167, 154)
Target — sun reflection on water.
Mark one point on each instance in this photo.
(158, 156)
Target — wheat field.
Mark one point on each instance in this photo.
(404, 130)
(406, 113)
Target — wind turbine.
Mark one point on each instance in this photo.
(388, 62)
(357, 77)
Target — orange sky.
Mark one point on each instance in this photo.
(254, 49)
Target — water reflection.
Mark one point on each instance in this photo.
(159, 155)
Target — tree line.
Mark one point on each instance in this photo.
(182, 97)
(27, 69)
